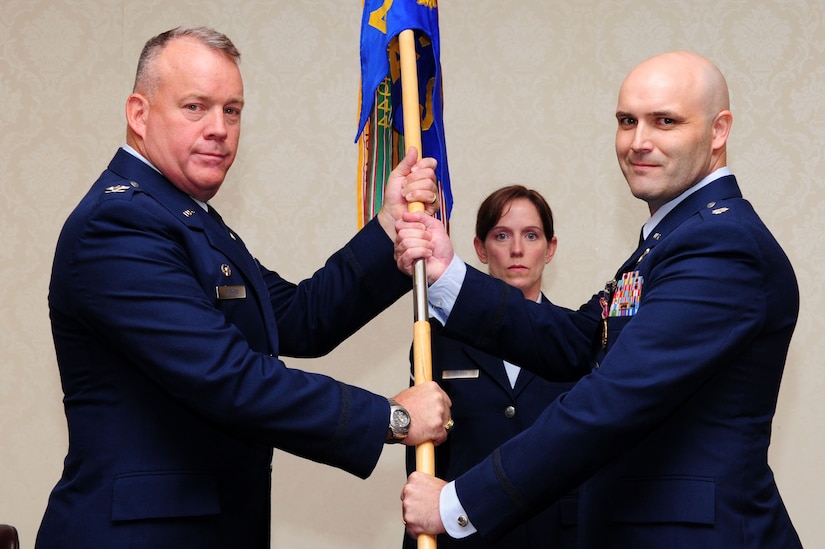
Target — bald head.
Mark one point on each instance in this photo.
(674, 121)
(685, 73)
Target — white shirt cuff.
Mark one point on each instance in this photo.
(453, 515)
(443, 293)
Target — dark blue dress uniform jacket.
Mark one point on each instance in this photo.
(671, 428)
(175, 397)
(488, 411)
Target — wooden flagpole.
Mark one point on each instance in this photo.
(422, 353)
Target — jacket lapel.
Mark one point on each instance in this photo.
(721, 189)
(190, 213)
(493, 366)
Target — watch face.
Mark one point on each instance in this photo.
(400, 418)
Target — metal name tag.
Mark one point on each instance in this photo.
(459, 374)
(231, 292)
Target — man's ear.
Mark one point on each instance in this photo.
(721, 128)
(137, 109)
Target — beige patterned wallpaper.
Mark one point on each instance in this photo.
(530, 91)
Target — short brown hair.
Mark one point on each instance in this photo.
(494, 207)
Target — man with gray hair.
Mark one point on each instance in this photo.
(168, 332)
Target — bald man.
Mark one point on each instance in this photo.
(680, 356)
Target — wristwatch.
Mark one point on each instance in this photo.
(399, 423)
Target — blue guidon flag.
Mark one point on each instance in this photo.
(381, 122)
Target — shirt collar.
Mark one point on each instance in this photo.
(140, 157)
(667, 207)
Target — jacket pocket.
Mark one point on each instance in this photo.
(164, 494)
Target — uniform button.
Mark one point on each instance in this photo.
(509, 412)
(462, 521)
